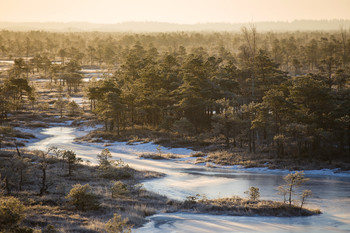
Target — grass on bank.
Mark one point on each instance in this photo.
(213, 150)
(239, 206)
(54, 207)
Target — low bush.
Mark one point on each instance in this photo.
(11, 212)
(253, 193)
(117, 173)
(153, 156)
(191, 201)
(113, 169)
(117, 224)
(81, 197)
(119, 189)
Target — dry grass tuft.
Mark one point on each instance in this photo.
(159, 156)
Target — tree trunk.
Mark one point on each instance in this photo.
(118, 124)
(7, 186)
(132, 117)
(227, 142)
(18, 153)
(43, 188)
(250, 141)
(290, 194)
(20, 179)
(111, 127)
(349, 140)
(253, 141)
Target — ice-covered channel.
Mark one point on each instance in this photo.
(183, 178)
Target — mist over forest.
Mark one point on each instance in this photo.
(296, 25)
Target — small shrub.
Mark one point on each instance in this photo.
(119, 189)
(294, 180)
(73, 108)
(11, 212)
(159, 150)
(306, 194)
(81, 197)
(103, 159)
(253, 193)
(56, 151)
(117, 225)
(282, 190)
(136, 189)
(117, 170)
(124, 172)
(191, 201)
(204, 199)
(71, 159)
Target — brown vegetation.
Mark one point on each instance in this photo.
(159, 156)
(55, 206)
(238, 206)
(247, 160)
(213, 150)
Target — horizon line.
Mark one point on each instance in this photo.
(164, 22)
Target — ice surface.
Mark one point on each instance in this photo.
(331, 188)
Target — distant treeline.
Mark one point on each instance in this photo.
(286, 93)
(296, 25)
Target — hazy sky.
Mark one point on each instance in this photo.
(175, 11)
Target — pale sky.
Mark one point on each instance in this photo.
(173, 11)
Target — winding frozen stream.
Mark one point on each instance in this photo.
(183, 178)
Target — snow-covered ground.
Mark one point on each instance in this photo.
(7, 62)
(78, 100)
(183, 178)
(204, 223)
(98, 74)
(93, 71)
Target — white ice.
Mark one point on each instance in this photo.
(183, 178)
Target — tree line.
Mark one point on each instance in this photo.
(295, 52)
(282, 92)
